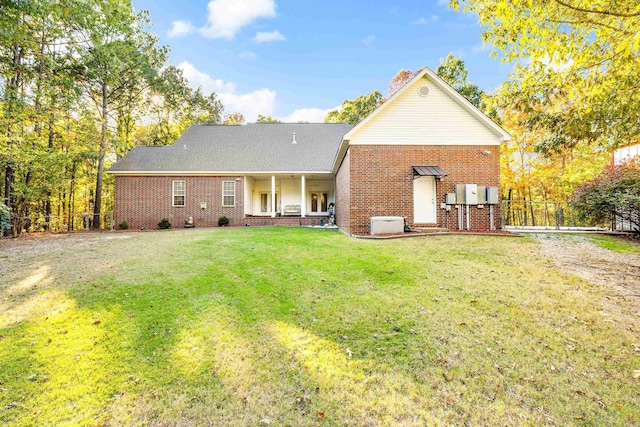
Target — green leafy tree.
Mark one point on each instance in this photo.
(37, 72)
(268, 119)
(353, 111)
(453, 71)
(5, 219)
(575, 62)
(234, 119)
(123, 59)
(76, 84)
(172, 106)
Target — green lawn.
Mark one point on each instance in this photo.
(615, 243)
(289, 326)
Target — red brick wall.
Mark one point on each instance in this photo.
(382, 181)
(143, 201)
(343, 194)
(286, 220)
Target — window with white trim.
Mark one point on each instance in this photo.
(228, 193)
(179, 193)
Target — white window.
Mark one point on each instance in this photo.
(228, 193)
(179, 193)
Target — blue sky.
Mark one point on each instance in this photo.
(295, 60)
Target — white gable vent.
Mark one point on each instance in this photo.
(423, 91)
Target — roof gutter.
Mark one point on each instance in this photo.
(215, 173)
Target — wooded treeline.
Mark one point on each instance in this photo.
(81, 83)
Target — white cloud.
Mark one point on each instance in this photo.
(269, 36)
(425, 21)
(197, 79)
(311, 115)
(179, 29)
(261, 101)
(227, 17)
(368, 40)
(251, 104)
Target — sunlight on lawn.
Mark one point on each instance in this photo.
(211, 345)
(40, 277)
(364, 390)
(63, 363)
(30, 298)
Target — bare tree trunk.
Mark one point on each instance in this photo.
(71, 206)
(509, 212)
(533, 217)
(47, 203)
(103, 148)
(9, 172)
(24, 203)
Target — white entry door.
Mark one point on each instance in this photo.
(424, 200)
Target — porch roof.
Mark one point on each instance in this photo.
(436, 171)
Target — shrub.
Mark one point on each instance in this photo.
(164, 224)
(5, 218)
(124, 225)
(615, 192)
(222, 221)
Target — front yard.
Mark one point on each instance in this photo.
(289, 326)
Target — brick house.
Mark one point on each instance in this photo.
(399, 161)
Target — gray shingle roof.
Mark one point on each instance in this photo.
(255, 147)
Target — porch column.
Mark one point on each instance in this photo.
(303, 199)
(273, 196)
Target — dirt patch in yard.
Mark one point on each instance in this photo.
(617, 274)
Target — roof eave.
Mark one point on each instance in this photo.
(218, 173)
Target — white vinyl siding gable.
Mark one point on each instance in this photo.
(435, 119)
(228, 193)
(178, 193)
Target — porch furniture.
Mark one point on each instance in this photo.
(290, 210)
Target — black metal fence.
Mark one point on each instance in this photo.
(59, 223)
(527, 213)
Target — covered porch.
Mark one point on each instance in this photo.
(293, 196)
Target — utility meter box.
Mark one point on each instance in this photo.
(471, 194)
(492, 195)
(482, 194)
(450, 198)
(460, 194)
